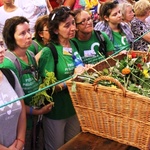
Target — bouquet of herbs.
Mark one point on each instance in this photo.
(41, 97)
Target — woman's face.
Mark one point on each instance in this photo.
(129, 15)
(23, 36)
(84, 22)
(45, 34)
(115, 16)
(2, 51)
(66, 30)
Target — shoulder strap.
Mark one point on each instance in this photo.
(10, 77)
(9, 55)
(55, 55)
(102, 47)
(35, 44)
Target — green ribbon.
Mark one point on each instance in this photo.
(39, 90)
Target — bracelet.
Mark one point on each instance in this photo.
(21, 141)
(31, 110)
(64, 84)
(60, 87)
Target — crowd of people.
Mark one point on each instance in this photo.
(65, 37)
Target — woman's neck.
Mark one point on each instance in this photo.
(65, 43)
(114, 27)
(21, 53)
(83, 36)
(141, 18)
(9, 7)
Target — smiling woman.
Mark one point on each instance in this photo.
(88, 41)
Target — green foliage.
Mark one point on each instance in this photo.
(137, 80)
(39, 98)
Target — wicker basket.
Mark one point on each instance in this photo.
(112, 113)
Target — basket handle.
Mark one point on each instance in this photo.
(95, 84)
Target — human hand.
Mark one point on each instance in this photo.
(20, 144)
(13, 146)
(87, 66)
(47, 108)
(123, 52)
(79, 70)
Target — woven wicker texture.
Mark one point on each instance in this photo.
(112, 113)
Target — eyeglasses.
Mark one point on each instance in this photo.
(84, 21)
(44, 30)
(60, 11)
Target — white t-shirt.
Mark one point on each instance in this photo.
(9, 114)
(7, 15)
(33, 9)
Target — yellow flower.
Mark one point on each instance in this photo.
(145, 73)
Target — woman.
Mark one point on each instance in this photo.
(33, 9)
(119, 33)
(139, 26)
(127, 12)
(87, 40)
(18, 38)
(8, 10)
(61, 124)
(12, 116)
(41, 35)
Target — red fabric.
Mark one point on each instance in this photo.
(54, 4)
(1, 2)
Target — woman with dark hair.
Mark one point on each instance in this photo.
(61, 124)
(119, 33)
(91, 48)
(41, 34)
(18, 38)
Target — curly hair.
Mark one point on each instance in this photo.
(141, 7)
(10, 29)
(57, 16)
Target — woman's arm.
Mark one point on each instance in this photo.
(146, 37)
(44, 110)
(12, 147)
(69, 3)
(49, 6)
(21, 128)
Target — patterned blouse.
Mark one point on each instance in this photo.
(139, 28)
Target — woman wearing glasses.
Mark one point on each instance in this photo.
(87, 40)
(61, 124)
(41, 34)
(119, 33)
(18, 38)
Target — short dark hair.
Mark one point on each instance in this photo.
(106, 8)
(10, 29)
(57, 16)
(39, 25)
